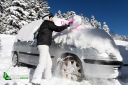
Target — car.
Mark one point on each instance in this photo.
(70, 60)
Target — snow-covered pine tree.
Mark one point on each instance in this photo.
(120, 37)
(65, 15)
(17, 13)
(95, 23)
(1, 24)
(1, 11)
(1, 8)
(69, 15)
(85, 20)
(99, 25)
(105, 27)
(59, 14)
(125, 38)
(82, 17)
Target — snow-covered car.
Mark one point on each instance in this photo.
(81, 53)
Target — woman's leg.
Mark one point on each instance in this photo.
(43, 53)
(48, 72)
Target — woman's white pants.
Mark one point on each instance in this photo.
(45, 64)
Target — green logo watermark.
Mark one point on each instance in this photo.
(6, 76)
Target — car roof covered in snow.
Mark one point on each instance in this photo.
(26, 33)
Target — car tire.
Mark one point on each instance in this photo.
(70, 68)
(15, 61)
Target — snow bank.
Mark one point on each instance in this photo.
(6, 43)
(122, 43)
(6, 63)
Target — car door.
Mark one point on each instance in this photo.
(33, 52)
(23, 51)
(28, 52)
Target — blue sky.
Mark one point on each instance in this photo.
(113, 12)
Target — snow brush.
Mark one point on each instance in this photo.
(73, 22)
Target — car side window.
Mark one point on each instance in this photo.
(35, 35)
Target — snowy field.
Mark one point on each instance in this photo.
(22, 75)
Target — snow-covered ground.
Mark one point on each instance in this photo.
(82, 39)
(17, 73)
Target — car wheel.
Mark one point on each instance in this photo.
(15, 61)
(71, 68)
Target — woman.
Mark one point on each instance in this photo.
(44, 40)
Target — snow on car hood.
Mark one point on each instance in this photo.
(85, 36)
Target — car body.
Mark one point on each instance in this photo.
(85, 62)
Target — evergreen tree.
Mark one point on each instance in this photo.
(105, 27)
(17, 13)
(99, 25)
(85, 20)
(65, 15)
(59, 15)
(1, 8)
(1, 14)
(70, 15)
(94, 22)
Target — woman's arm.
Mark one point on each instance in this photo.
(57, 28)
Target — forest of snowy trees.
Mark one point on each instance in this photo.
(16, 13)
